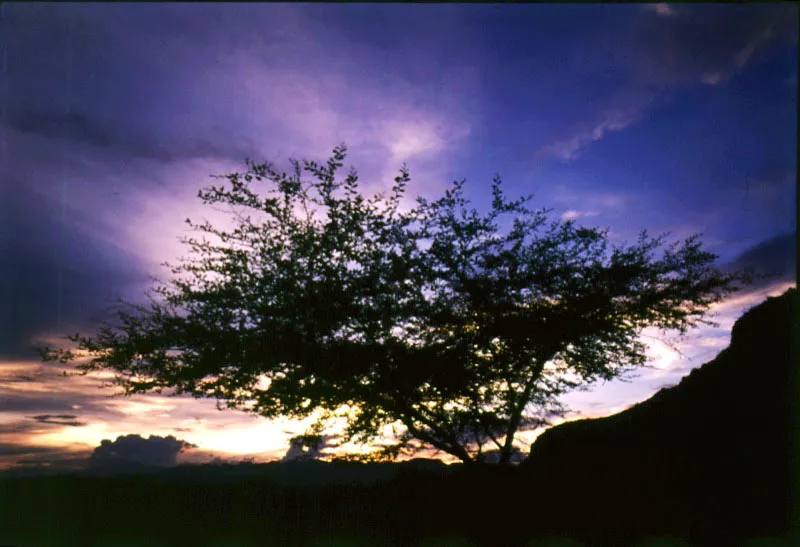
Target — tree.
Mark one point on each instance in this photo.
(436, 318)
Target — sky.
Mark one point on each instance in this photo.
(679, 118)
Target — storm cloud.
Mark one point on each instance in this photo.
(703, 43)
(772, 260)
(58, 419)
(155, 450)
(54, 274)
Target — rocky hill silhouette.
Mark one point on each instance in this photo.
(708, 459)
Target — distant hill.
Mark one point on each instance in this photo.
(709, 457)
(302, 473)
(292, 473)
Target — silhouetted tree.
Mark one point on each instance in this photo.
(433, 317)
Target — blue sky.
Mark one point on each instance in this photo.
(677, 117)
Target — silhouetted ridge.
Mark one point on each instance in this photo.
(709, 456)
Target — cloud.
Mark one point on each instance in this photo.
(609, 121)
(47, 401)
(572, 214)
(13, 449)
(127, 111)
(16, 427)
(663, 9)
(42, 411)
(62, 463)
(20, 378)
(155, 450)
(56, 275)
(301, 449)
(662, 52)
(773, 260)
(58, 419)
(216, 83)
(92, 74)
(115, 140)
(708, 40)
(581, 200)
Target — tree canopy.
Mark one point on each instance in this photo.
(458, 327)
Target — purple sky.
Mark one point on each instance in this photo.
(679, 118)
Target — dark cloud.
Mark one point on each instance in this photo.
(21, 402)
(707, 42)
(772, 172)
(85, 93)
(54, 404)
(14, 449)
(114, 139)
(642, 61)
(155, 450)
(17, 427)
(301, 448)
(56, 125)
(52, 274)
(772, 260)
(54, 463)
(90, 83)
(58, 419)
(20, 378)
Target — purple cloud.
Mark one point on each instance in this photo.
(665, 50)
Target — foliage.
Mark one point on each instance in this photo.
(324, 302)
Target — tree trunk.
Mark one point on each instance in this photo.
(452, 448)
(516, 415)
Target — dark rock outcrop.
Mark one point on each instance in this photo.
(709, 459)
